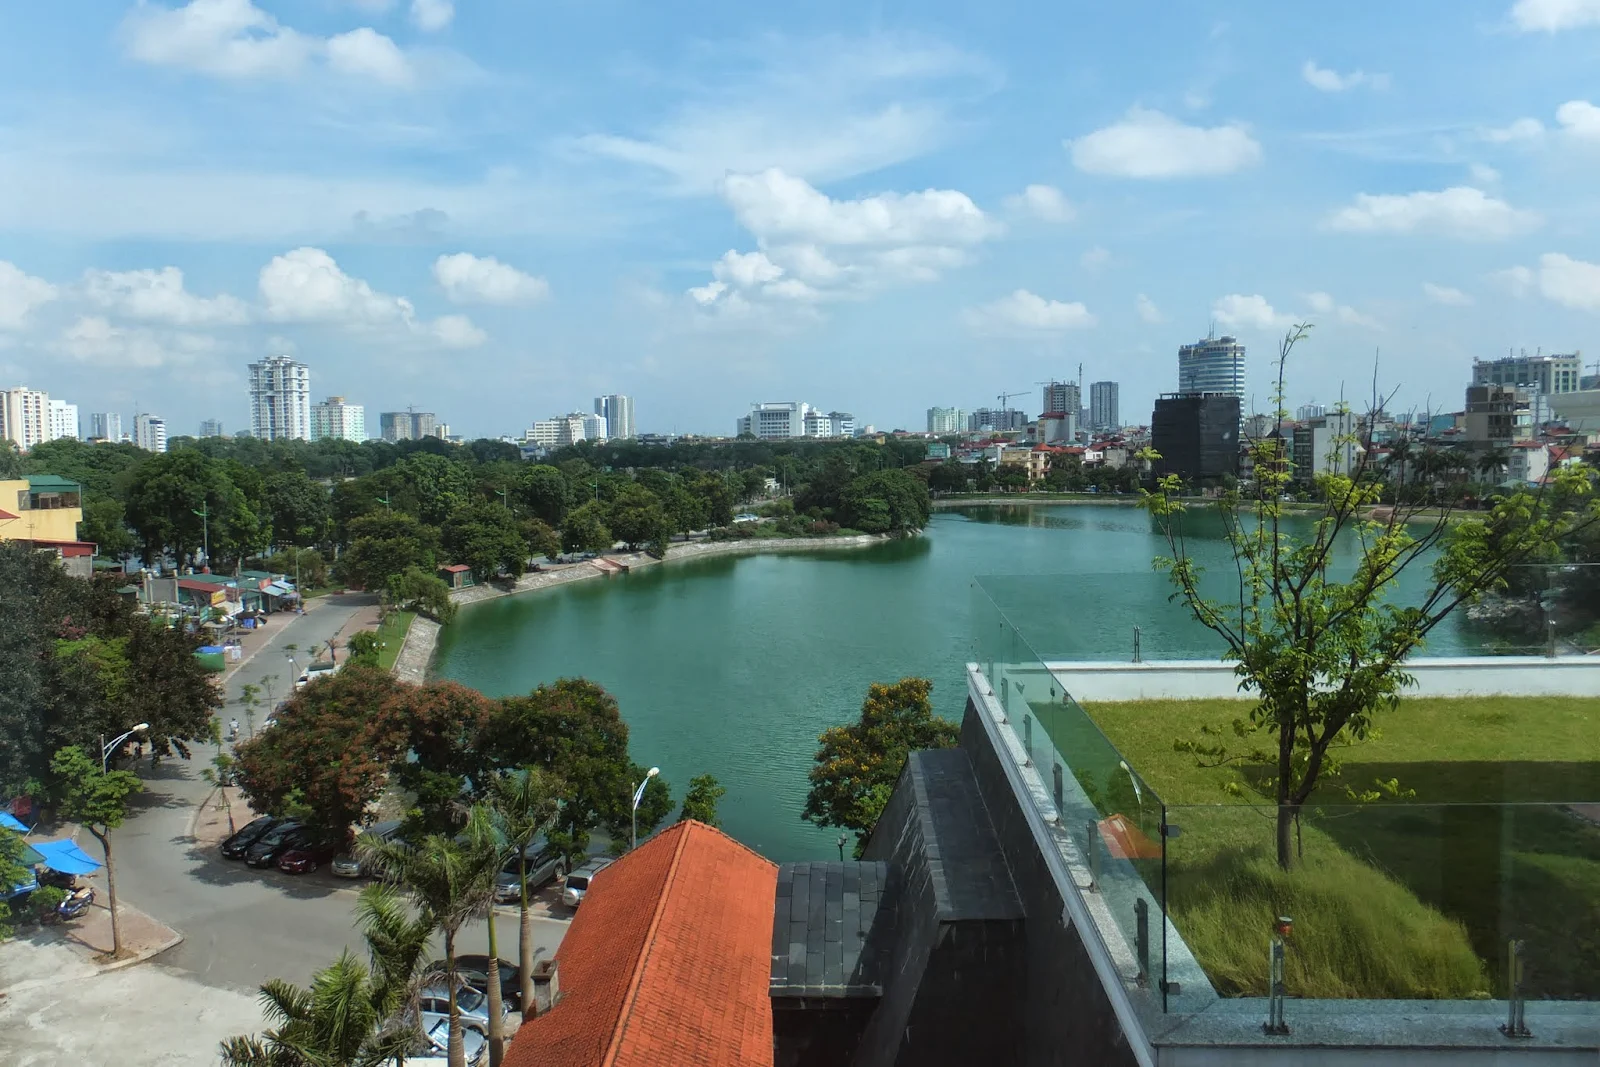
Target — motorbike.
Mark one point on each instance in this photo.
(73, 906)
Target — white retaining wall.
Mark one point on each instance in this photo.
(1435, 677)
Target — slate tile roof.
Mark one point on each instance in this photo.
(666, 963)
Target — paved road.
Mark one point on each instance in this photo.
(242, 927)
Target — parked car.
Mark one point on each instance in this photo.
(544, 864)
(346, 865)
(473, 1042)
(577, 886)
(274, 843)
(473, 1004)
(239, 843)
(474, 970)
(305, 857)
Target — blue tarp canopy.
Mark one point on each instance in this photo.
(65, 856)
(11, 822)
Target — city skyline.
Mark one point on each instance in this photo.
(802, 199)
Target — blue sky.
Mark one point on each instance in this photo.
(498, 210)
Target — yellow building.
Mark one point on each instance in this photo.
(41, 507)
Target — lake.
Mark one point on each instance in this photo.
(732, 666)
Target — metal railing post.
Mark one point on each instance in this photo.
(1138, 653)
(1516, 1024)
(1277, 986)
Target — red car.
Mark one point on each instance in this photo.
(305, 857)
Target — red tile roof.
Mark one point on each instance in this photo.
(667, 963)
(455, 568)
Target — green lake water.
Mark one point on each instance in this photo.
(731, 666)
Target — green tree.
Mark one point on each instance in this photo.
(487, 538)
(541, 539)
(104, 523)
(949, 476)
(13, 871)
(305, 565)
(858, 764)
(524, 802)
(543, 491)
(97, 800)
(297, 508)
(1324, 648)
(448, 880)
(585, 529)
(417, 590)
(700, 801)
(363, 649)
(384, 545)
(889, 501)
(636, 517)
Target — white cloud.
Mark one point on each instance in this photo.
(366, 53)
(160, 296)
(470, 279)
(1094, 258)
(1023, 312)
(94, 340)
(1351, 317)
(1516, 280)
(1524, 129)
(1321, 303)
(1253, 312)
(1325, 304)
(306, 285)
(1460, 211)
(1446, 295)
(1331, 81)
(235, 39)
(776, 206)
(431, 16)
(1042, 202)
(1148, 311)
(1149, 144)
(746, 270)
(1579, 119)
(1553, 15)
(1483, 174)
(1569, 282)
(457, 331)
(20, 293)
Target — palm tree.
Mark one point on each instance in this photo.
(524, 805)
(1492, 462)
(397, 943)
(450, 882)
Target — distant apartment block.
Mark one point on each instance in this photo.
(211, 428)
(947, 420)
(105, 426)
(1212, 365)
(1104, 406)
(1197, 435)
(1307, 412)
(280, 399)
(569, 429)
(406, 425)
(1325, 444)
(150, 432)
(63, 420)
(1062, 398)
(337, 420)
(1002, 421)
(617, 411)
(25, 416)
(1496, 416)
(791, 418)
(1546, 374)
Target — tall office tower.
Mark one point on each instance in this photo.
(1307, 412)
(1212, 365)
(406, 425)
(1547, 374)
(211, 428)
(24, 416)
(150, 432)
(1004, 421)
(617, 410)
(105, 426)
(1197, 435)
(1103, 406)
(280, 399)
(63, 420)
(333, 418)
(1062, 398)
(947, 420)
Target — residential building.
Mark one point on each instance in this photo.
(1580, 411)
(818, 424)
(844, 424)
(211, 428)
(335, 419)
(670, 960)
(1061, 397)
(150, 432)
(1212, 365)
(1258, 427)
(562, 430)
(105, 426)
(1546, 374)
(1496, 415)
(617, 410)
(41, 507)
(1056, 428)
(1326, 444)
(986, 419)
(773, 421)
(1197, 435)
(1104, 404)
(280, 399)
(1529, 463)
(1307, 412)
(947, 420)
(407, 425)
(24, 416)
(63, 420)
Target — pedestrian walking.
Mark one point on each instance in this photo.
(233, 729)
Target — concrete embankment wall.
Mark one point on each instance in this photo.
(1440, 676)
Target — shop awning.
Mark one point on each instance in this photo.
(11, 822)
(280, 590)
(65, 856)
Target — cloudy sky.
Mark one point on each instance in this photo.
(496, 210)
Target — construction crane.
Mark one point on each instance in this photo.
(1005, 398)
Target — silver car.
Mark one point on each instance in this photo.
(473, 1043)
(434, 1004)
(577, 886)
(346, 865)
(544, 864)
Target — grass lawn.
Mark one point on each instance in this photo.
(392, 632)
(1409, 898)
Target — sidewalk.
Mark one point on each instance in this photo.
(89, 937)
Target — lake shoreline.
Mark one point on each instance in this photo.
(421, 643)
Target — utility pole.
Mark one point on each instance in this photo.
(205, 528)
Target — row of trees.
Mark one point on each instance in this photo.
(1067, 474)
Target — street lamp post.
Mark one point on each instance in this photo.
(638, 795)
(106, 750)
(205, 528)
